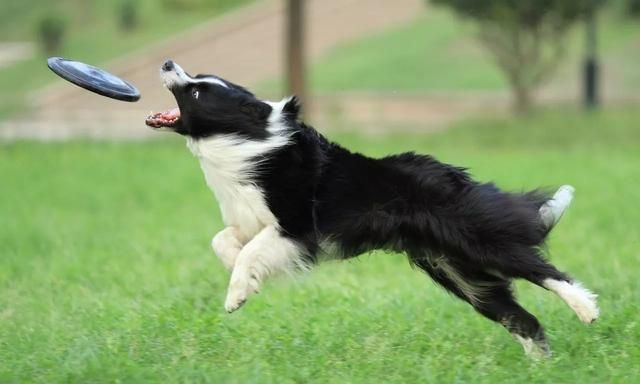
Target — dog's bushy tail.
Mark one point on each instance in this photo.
(551, 211)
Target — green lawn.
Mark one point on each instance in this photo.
(106, 274)
(439, 52)
(93, 35)
(434, 53)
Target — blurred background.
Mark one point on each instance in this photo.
(106, 273)
(373, 65)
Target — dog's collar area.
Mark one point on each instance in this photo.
(163, 119)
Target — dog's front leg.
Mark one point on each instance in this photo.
(267, 253)
(227, 245)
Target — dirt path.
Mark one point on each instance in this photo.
(245, 46)
(12, 52)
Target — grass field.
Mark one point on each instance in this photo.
(106, 273)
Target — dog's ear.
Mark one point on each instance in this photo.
(292, 108)
(257, 109)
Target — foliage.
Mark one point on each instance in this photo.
(184, 5)
(526, 37)
(51, 32)
(529, 13)
(633, 8)
(129, 14)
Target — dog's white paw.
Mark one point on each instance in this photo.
(235, 299)
(241, 286)
(585, 305)
(580, 299)
(536, 350)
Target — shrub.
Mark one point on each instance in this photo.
(183, 5)
(633, 8)
(51, 33)
(190, 5)
(129, 15)
(526, 37)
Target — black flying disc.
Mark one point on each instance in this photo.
(94, 79)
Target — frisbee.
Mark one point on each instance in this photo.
(93, 79)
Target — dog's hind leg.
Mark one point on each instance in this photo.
(490, 296)
(267, 253)
(532, 267)
(501, 306)
(551, 212)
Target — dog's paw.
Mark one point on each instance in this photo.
(241, 287)
(234, 301)
(227, 247)
(534, 349)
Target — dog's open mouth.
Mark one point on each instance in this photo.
(164, 119)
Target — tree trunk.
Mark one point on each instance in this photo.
(522, 97)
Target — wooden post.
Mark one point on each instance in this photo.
(295, 49)
(591, 72)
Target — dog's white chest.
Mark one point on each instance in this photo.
(227, 168)
(241, 206)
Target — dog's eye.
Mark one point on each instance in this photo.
(195, 93)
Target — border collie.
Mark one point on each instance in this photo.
(288, 197)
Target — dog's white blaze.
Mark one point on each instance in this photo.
(179, 77)
(210, 80)
(580, 299)
(175, 77)
(552, 210)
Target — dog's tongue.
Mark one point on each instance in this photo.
(163, 119)
(172, 113)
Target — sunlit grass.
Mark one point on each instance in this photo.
(106, 272)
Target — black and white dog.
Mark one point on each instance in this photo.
(289, 196)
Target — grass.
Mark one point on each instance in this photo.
(434, 53)
(439, 52)
(93, 36)
(107, 276)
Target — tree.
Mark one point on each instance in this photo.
(527, 38)
(129, 15)
(633, 8)
(51, 32)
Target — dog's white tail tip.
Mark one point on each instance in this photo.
(552, 210)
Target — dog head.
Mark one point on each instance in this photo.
(209, 105)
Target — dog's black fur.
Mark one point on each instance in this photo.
(454, 228)
(415, 204)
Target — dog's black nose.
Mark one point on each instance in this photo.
(168, 65)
